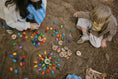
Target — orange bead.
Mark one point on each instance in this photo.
(44, 41)
(60, 35)
(26, 37)
(42, 59)
(31, 37)
(43, 72)
(59, 38)
(67, 58)
(47, 28)
(21, 64)
(35, 62)
(49, 68)
(57, 35)
(44, 38)
(11, 69)
(24, 33)
(49, 58)
(53, 68)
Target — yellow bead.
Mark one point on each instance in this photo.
(35, 66)
(14, 53)
(50, 28)
(45, 52)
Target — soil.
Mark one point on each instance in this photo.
(61, 11)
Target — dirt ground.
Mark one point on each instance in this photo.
(61, 11)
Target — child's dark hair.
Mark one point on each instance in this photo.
(22, 5)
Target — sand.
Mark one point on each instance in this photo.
(61, 11)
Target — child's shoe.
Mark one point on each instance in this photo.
(84, 38)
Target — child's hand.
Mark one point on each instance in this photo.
(34, 26)
(103, 43)
(75, 14)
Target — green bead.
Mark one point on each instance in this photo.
(43, 65)
(38, 34)
(21, 36)
(45, 57)
(47, 65)
(61, 26)
(50, 64)
(54, 56)
(71, 30)
(14, 44)
(50, 61)
(41, 62)
(62, 38)
(52, 34)
(41, 34)
(53, 30)
(56, 62)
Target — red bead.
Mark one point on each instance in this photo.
(41, 43)
(54, 28)
(24, 57)
(53, 64)
(36, 32)
(25, 30)
(42, 24)
(48, 71)
(46, 13)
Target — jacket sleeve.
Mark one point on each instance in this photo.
(113, 29)
(82, 14)
(45, 3)
(11, 18)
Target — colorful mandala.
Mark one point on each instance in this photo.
(47, 63)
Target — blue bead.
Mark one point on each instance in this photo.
(39, 64)
(58, 65)
(44, 68)
(54, 22)
(22, 60)
(67, 38)
(14, 60)
(52, 72)
(35, 39)
(36, 45)
(25, 78)
(11, 56)
(56, 32)
(16, 71)
(9, 28)
(58, 60)
(63, 34)
(17, 58)
(3, 26)
(18, 34)
(36, 36)
(36, 42)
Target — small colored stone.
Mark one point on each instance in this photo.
(57, 68)
(52, 72)
(62, 38)
(44, 68)
(35, 66)
(58, 60)
(53, 68)
(69, 41)
(3, 26)
(42, 24)
(52, 35)
(36, 45)
(20, 47)
(57, 39)
(17, 58)
(43, 65)
(14, 44)
(56, 32)
(47, 28)
(22, 60)
(11, 69)
(54, 22)
(36, 36)
(18, 34)
(11, 56)
(24, 57)
(43, 72)
(33, 44)
(41, 43)
(71, 30)
(53, 30)
(58, 65)
(39, 69)
(51, 53)
(14, 60)
(35, 62)
(24, 39)
(61, 26)
(63, 34)
(21, 36)
(14, 54)
(39, 64)
(50, 28)
(16, 71)
(67, 38)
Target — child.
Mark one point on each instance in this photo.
(37, 11)
(15, 12)
(97, 26)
